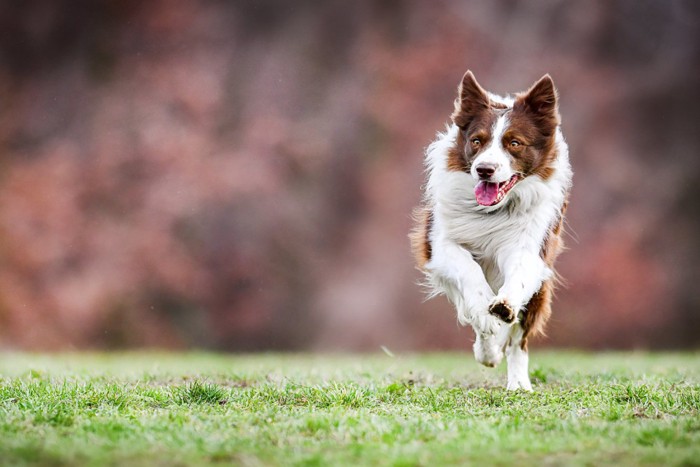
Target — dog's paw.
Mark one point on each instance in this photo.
(486, 324)
(516, 384)
(487, 350)
(502, 310)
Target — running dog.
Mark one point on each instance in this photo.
(490, 224)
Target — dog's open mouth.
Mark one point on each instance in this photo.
(489, 193)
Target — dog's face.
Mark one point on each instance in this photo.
(501, 144)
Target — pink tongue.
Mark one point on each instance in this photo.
(486, 193)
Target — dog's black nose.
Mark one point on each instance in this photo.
(485, 170)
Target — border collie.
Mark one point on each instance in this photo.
(489, 227)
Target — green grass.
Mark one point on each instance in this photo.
(434, 409)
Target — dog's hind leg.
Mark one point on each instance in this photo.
(517, 359)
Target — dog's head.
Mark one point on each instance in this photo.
(504, 141)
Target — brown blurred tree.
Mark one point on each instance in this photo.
(239, 175)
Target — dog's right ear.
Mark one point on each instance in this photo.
(471, 99)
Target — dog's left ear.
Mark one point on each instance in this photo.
(541, 99)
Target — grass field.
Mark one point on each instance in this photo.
(434, 409)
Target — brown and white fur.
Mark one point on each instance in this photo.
(490, 224)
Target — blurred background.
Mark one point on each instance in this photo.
(240, 175)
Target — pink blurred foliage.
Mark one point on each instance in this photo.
(241, 175)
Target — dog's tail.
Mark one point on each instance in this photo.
(420, 236)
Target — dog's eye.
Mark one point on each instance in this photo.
(515, 143)
(476, 142)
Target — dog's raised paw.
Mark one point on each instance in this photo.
(503, 311)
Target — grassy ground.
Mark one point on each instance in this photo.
(435, 409)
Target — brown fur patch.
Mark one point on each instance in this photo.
(463, 153)
(456, 158)
(537, 154)
(537, 313)
(553, 243)
(533, 122)
(420, 236)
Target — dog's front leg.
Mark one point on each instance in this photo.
(517, 359)
(463, 281)
(523, 274)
